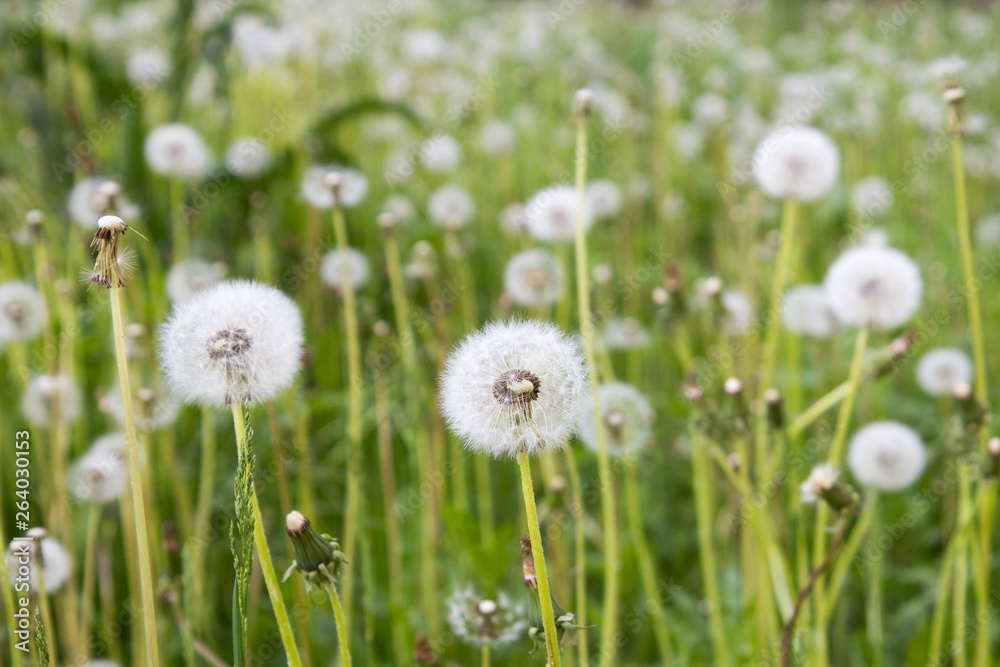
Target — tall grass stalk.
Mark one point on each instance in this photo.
(264, 553)
(609, 519)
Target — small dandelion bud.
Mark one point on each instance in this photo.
(712, 287)
(381, 329)
(557, 485)
(953, 94)
(315, 554)
(775, 408)
(734, 461)
(528, 564)
(962, 391)
(822, 483)
(691, 389)
(993, 446)
(733, 386)
(584, 102)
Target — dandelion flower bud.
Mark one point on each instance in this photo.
(534, 278)
(625, 416)
(313, 552)
(514, 387)
(799, 163)
(238, 341)
(43, 553)
(528, 564)
(451, 206)
(332, 268)
(886, 455)
(820, 480)
(941, 370)
(321, 182)
(49, 399)
(550, 214)
(22, 312)
(477, 621)
(177, 150)
(101, 475)
(873, 287)
(805, 311)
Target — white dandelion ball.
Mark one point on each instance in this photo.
(940, 370)
(625, 333)
(479, 621)
(248, 158)
(146, 68)
(22, 311)
(514, 387)
(451, 206)
(332, 268)
(351, 186)
(497, 137)
(152, 409)
(550, 215)
(188, 277)
(626, 417)
(512, 219)
(400, 207)
(101, 475)
(23, 561)
(177, 150)
(804, 311)
(441, 153)
(237, 341)
(876, 287)
(49, 399)
(796, 162)
(821, 479)
(534, 278)
(95, 196)
(886, 455)
(872, 197)
(739, 312)
(605, 198)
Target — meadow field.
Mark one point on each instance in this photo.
(463, 333)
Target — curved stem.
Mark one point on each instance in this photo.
(538, 553)
(135, 474)
(816, 410)
(264, 553)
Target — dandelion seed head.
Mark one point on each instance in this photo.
(624, 334)
(514, 386)
(497, 137)
(236, 341)
(625, 416)
(941, 370)
(874, 287)
(323, 186)
(550, 215)
(441, 153)
(190, 276)
(451, 206)
(49, 399)
(47, 552)
(886, 455)
(22, 311)
(804, 311)
(332, 268)
(95, 196)
(797, 162)
(534, 278)
(478, 621)
(605, 198)
(248, 158)
(101, 475)
(177, 150)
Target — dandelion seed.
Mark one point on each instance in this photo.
(941, 370)
(177, 150)
(886, 455)
(331, 270)
(237, 341)
(514, 387)
(534, 278)
(873, 287)
(796, 162)
(22, 312)
(625, 415)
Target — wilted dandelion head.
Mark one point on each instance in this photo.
(796, 162)
(101, 475)
(43, 553)
(605, 198)
(248, 158)
(479, 621)
(451, 206)
(177, 150)
(874, 287)
(626, 417)
(22, 311)
(940, 370)
(804, 311)
(189, 276)
(332, 268)
(624, 334)
(95, 196)
(550, 215)
(821, 479)
(534, 278)
(324, 186)
(237, 341)
(49, 399)
(514, 387)
(886, 455)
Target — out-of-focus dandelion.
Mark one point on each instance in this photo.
(451, 206)
(332, 270)
(49, 399)
(626, 417)
(550, 215)
(352, 186)
(177, 150)
(189, 276)
(480, 621)
(873, 287)
(796, 162)
(804, 311)
(534, 278)
(887, 456)
(22, 312)
(941, 370)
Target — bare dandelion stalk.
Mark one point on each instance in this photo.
(580, 540)
(608, 511)
(538, 554)
(108, 271)
(203, 510)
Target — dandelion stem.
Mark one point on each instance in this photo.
(264, 553)
(135, 473)
(580, 538)
(354, 426)
(89, 577)
(816, 410)
(538, 553)
(203, 511)
(486, 655)
(961, 581)
(338, 615)
(609, 518)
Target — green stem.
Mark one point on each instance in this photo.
(264, 553)
(354, 405)
(609, 518)
(961, 581)
(816, 410)
(182, 236)
(538, 553)
(338, 615)
(135, 474)
(89, 577)
(580, 538)
(485, 662)
(203, 513)
(876, 634)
